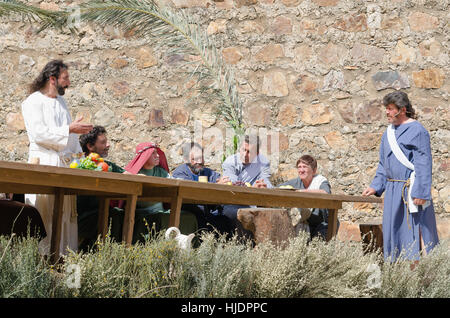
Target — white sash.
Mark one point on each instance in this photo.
(404, 161)
(316, 182)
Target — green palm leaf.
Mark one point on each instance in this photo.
(159, 25)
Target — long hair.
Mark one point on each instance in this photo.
(400, 99)
(53, 68)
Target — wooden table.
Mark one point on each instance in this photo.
(19, 177)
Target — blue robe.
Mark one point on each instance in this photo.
(401, 228)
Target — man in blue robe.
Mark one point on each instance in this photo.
(405, 232)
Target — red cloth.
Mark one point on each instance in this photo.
(143, 152)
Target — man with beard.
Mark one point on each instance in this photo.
(53, 139)
(404, 174)
(192, 169)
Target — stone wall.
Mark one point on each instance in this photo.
(312, 72)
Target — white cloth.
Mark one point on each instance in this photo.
(404, 161)
(47, 122)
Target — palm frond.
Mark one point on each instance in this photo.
(157, 24)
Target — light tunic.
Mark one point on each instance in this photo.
(402, 230)
(47, 122)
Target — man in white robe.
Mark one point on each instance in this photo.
(53, 139)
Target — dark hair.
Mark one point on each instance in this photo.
(91, 137)
(307, 160)
(187, 148)
(53, 68)
(400, 100)
(252, 140)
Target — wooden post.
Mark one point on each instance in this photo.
(103, 213)
(175, 209)
(128, 222)
(332, 223)
(58, 205)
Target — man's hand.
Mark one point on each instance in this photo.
(223, 180)
(77, 127)
(369, 191)
(260, 184)
(417, 201)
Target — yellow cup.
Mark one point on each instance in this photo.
(202, 179)
(35, 160)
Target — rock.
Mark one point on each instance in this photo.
(332, 55)
(390, 79)
(15, 122)
(231, 55)
(333, 80)
(367, 53)
(430, 47)
(104, 117)
(145, 58)
(218, 26)
(274, 84)
(352, 23)
(120, 88)
(367, 141)
(242, 3)
(420, 21)
(336, 141)
(348, 231)
(26, 64)
(325, 3)
(281, 26)
(291, 3)
(403, 54)
(273, 225)
(392, 23)
(306, 84)
(250, 26)
(316, 115)
(369, 112)
(287, 115)
(270, 53)
(443, 227)
(190, 3)
(180, 116)
(258, 115)
(429, 78)
(155, 118)
(119, 63)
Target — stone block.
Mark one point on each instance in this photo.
(287, 115)
(348, 231)
(155, 118)
(429, 78)
(231, 55)
(420, 22)
(275, 84)
(390, 79)
(270, 53)
(316, 114)
(14, 122)
(274, 225)
(352, 23)
(326, 3)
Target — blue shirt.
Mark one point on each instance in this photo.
(259, 168)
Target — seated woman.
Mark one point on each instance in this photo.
(150, 160)
(308, 180)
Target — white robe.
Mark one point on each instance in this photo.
(47, 122)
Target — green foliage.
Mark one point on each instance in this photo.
(220, 268)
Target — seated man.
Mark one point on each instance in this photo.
(17, 217)
(150, 160)
(96, 141)
(207, 215)
(309, 181)
(246, 167)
